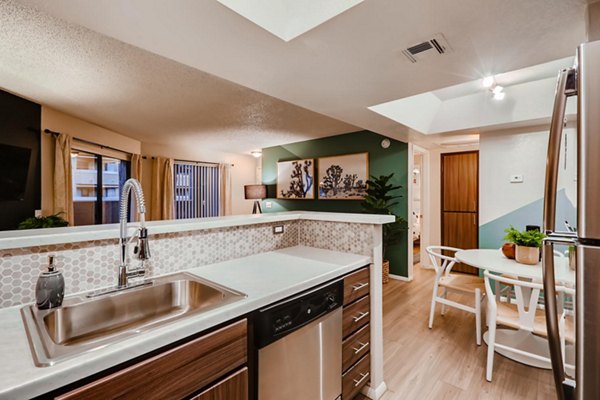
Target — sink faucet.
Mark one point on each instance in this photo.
(141, 250)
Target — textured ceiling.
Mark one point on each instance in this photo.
(147, 96)
(351, 62)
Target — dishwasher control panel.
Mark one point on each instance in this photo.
(280, 319)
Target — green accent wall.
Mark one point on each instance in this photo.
(381, 162)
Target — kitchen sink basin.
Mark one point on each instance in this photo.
(83, 324)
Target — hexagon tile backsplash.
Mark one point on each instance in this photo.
(92, 265)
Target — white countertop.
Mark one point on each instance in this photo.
(42, 237)
(265, 278)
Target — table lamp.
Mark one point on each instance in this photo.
(257, 193)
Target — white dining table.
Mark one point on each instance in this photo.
(495, 261)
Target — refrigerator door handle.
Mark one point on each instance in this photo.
(552, 319)
(565, 87)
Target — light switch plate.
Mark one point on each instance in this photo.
(516, 179)
(277, 229)
(268, 204)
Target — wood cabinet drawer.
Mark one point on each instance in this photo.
(177, 372)
(356, 346)
(356, 377)
(234, 387)
(356, 315)
(356, 285)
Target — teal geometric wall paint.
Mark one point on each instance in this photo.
(492, 233)
(381, 161)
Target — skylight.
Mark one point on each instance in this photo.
(288, 19)
(471, 105)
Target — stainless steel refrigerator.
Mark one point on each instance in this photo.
(583, 81)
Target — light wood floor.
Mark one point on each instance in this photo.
(444, 362)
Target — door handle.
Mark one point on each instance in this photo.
(356, 288)
(360, 316)
(565, 79)
(363, 376)
(361, 347)
(564, 87)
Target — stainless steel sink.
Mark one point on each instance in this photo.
(83, 324)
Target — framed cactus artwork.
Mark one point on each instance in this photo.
(343, 177)
(295, 179)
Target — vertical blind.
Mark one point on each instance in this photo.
(196, 190)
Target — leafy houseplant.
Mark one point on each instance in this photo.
(51, 221)
(380, 199)
(527, 243)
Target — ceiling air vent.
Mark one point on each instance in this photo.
(435, 46)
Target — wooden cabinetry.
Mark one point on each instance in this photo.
(460, 203)
(356, 333)
(233, 387)
(179, 372)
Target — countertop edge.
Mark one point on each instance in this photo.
(51, 236)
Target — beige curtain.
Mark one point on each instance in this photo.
(63, 178)
(162, 189)
(136, 167)
(225, 189)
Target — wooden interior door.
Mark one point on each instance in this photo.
(460, 203)
(460, 182)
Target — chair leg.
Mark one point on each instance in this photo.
(490, 354)
(478, 316)
(443, 305)
(432, 311)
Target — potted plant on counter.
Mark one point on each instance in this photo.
(380, 200)
(528, 243)
(51, 221)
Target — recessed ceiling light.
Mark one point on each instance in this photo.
(497, 89)
(488, 81)
(499, 96)
(256, 153)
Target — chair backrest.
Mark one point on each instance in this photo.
(441, 262)
(526, 311)
(559, 254)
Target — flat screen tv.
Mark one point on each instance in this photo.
(14, 169)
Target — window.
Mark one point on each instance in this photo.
(97, 184)
(196, 190)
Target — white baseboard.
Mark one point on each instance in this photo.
(400, 278)
(376, 393)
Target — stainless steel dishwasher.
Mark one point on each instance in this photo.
(299, 343)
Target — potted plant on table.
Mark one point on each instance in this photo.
(380, 199)
(528, 243)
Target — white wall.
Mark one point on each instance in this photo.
(243, 171)
(520, 152)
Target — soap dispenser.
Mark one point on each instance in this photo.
(50, 288)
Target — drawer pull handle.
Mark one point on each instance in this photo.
(360, 348)
(360, 316)
(361, 380)
(356, 288)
